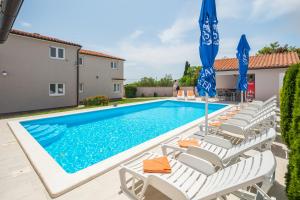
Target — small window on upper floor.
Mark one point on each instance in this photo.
(113, 65)
(57, 53)
(80, 60)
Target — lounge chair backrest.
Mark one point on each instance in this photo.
(270, 100)
(250, 143)
(240, 175)
(180, 93)
(190, 93)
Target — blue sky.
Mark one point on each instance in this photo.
(156, 37)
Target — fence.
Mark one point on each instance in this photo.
(160, 91)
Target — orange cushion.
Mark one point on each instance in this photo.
(188, 142)
(180, 93)
(190, 93)
(215, 123)
(157, 165)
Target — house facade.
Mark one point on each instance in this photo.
(40, 72)
(266, 72)
(100, 74)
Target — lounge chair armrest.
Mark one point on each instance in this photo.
(206, 155)
(219, 141)
(197, 163)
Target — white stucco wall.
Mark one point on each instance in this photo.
(267, 81)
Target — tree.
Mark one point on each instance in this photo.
(275, 47)
(190, 79)
(166, 81)
(186, 68)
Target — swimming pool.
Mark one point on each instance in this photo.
(80, 140)
(70, 148)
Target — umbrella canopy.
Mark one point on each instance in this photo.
(209, 46)
(242, 55)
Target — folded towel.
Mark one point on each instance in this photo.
(157, 165)
(224, 117)
(215, 123)
(188, 142)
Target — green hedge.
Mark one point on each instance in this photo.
(130, 91)
(293, 175)
(287, 101)
(290, 128)
(95, 100)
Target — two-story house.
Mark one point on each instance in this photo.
(100, 74)
(40, 72)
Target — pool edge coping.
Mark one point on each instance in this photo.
(56, 181)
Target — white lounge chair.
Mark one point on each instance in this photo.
(180, 95)
(220, 151)
(192, 178)
(246, 118)
(190, 95)
(267, 120)
(261, 104)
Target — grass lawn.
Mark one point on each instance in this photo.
(56, 110)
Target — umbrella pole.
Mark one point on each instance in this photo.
(206, 113)
(242, 99)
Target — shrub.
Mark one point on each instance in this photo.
(142, 95)
(287, 101)
(293, 175)
(155, 94)
(96, 100)
(130, 91)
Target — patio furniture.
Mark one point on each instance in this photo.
(219, 151)
(192, 178)
(190, 95)
(180, 95)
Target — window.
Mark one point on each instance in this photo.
(81, 87)
(117, 87)
(57, 53)
(113, 65)
(80, 60)
(56, 89)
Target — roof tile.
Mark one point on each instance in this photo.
(98, 54)
(42, 37)
(269, 61)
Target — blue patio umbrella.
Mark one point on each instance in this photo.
(242, 55)
(208, 49)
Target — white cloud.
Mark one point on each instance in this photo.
(178, 30)
(231, 9)
(136, 34)
(271, 9)
(26, 24)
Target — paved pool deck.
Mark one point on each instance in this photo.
(18, 179)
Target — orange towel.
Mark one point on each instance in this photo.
(215, 123)
(190, 93)
(188, 142)
(224, 117)
(230, 113)
(157, 165)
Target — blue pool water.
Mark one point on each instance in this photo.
(80, 140)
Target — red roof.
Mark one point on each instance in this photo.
(269, 61)
(42, 37)
(98, 54)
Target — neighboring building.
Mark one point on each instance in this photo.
(100, 74)
(40, 72)
(267, 72)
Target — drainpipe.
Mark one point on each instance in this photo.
(77, 77)
(9, 10)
